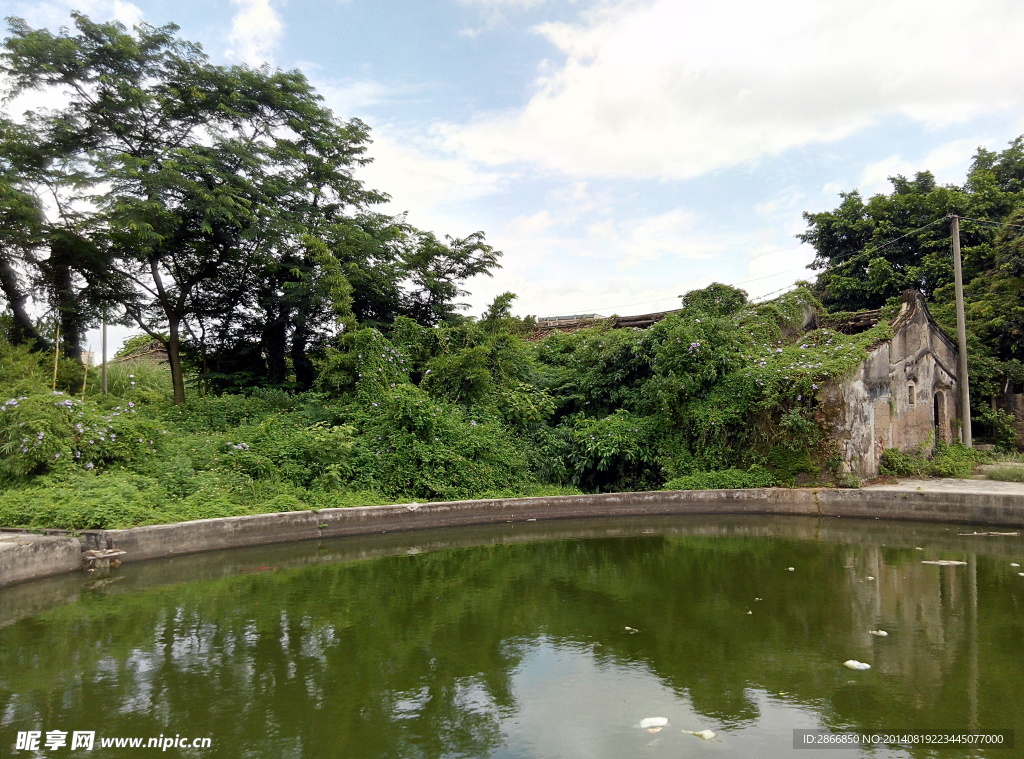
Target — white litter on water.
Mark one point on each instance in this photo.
(631, 629)
(854, 664)
(792, 569)
(653, 724)
(947, 563)
(704, 734)
(1012, 564)
(991, 534)
(879, 633)
(870, 577)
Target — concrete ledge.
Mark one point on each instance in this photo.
(32, 556)
(142, 543)
(932, 506)
(24, 556)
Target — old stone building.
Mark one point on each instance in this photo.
(903, 395)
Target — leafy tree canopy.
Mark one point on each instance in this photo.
(215, 204)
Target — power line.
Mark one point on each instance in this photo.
(856, 258)
(992, 223)
(674, 297)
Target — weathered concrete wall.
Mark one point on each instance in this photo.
(24, 556)
(902, 396)
(31, 556)
(141, 543)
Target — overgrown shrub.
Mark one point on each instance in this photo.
(52, 431)
(955, 460)
(897, 463)
(755, 477)
(140, 382)
(614, 453)
(947, 460)
(1006, 473)
(998, 426)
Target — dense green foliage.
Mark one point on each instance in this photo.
(947, 461)
(322, 339)
(709, 397)
(213, 207)
(870, 251)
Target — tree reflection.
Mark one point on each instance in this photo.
(417, 656)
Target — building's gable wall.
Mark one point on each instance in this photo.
(901, 396)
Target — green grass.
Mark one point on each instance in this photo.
(1006, 473)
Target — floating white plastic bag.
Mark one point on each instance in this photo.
(653, 724)
(702, 734)
(854, 664)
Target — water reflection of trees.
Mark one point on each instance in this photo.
(413, 656)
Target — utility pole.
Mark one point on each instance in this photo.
(961, 337)
(103, 367)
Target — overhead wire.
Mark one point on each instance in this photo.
(992, 223)
(856, 258)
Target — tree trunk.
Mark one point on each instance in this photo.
(174, 359)
(275, 344)
(72, 322)
(24, 331)
(305, 371)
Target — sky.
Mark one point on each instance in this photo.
(623, 152)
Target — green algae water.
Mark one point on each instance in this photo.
(528, 640)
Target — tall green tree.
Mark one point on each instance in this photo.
(21, 234)
(202, 174)
(189, 194)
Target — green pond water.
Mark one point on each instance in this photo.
(530, 640)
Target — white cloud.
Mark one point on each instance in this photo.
(489, 4)
(127, 13)
(430, 185)
(663, 89)
(948, 162)
(56, 13)
(774, 268)
(782, 204)
(256, 30)
(635, 242)
(633, 264)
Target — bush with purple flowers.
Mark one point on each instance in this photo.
(53, 431)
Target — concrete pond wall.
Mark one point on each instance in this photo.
(27, 556)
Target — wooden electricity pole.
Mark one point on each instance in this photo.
(961, 337)
(103, 366)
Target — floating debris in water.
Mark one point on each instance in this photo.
(879, 633)
(1013, 564)
(947, 563)
(750, 612)
(792, 569)
(653, 724)
(631, 630)
(990, 534)
(870, 577)
(702, 734)
(854, 664)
